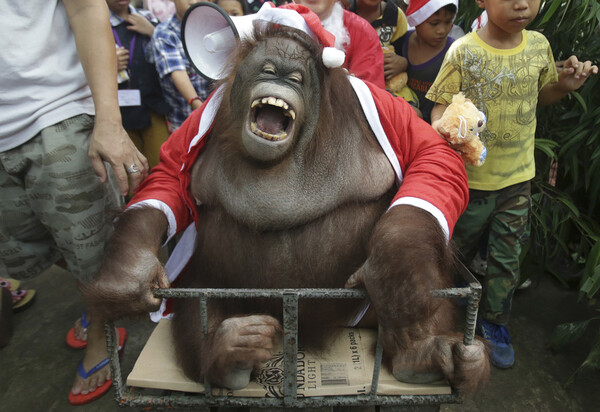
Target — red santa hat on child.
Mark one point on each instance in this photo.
(420, 10)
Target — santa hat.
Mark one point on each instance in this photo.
(302, 18)
(420, 10)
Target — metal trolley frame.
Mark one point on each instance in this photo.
(290, 297)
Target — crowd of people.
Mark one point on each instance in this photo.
(77, 137)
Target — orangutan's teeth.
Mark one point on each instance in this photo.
(273, 137)
(272, 101)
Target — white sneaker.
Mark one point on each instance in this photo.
(524, 285)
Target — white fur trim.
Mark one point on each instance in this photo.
(182, 253)
(425, 205)
(177, 261)
(427, 10)
(370, 110)
(333, 57)
(285, 17)
(208, 116)
(334, 24)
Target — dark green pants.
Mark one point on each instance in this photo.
(504, 216)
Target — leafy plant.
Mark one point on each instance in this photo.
(566, 190)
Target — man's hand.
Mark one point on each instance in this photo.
(110, 143)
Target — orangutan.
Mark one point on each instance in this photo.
(290, 186)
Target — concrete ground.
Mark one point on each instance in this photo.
(37, 367)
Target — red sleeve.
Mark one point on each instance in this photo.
(431, 170)
(364, 57)
(168, 181)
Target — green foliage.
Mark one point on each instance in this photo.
(567, 333)
(566, 208)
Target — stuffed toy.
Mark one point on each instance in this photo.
(462, 122)
(397, 84)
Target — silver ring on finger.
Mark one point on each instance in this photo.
(132, 169)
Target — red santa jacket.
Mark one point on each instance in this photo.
(429, 174)
(364, 57)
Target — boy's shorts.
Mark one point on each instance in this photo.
(53, 204)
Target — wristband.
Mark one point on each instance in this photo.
(194, 98)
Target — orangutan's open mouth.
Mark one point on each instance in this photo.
(271, 118)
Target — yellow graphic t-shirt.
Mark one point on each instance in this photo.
(391, 25)
(504, 84)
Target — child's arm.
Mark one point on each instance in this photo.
(393, 65)
(572, 76)
(140, 25)
(186, 88)
(436, 114)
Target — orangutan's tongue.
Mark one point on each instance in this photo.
(270, 120)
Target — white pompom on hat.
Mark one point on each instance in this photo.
(420, 10)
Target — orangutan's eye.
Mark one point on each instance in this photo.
(269, 68)
(296, 77)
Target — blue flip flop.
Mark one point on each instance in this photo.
(72, 340)
(81, 399)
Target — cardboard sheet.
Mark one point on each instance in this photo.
(346, 369)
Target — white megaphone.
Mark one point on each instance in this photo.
(209, 36)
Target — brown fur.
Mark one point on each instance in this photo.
(135, 269)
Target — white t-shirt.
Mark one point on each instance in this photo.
(42, 82)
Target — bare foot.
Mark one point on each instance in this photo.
(80, 331)
(95, 353)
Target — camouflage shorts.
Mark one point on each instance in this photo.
(53, 204)
(503, 216)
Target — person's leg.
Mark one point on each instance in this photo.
(508, 231)
(472, 224)
(26, 246)
(75, 209)
(95, 352)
